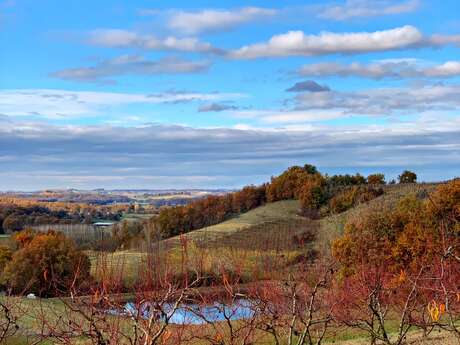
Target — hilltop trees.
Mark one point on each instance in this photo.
(407, 176)
(305, 184)
(312, 194)
(288, 184)
(345, 180)
(376, 179)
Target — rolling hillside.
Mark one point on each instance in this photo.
(273, 225)
(271, 230)
(250, 229)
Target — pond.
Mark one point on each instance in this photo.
(194, 314)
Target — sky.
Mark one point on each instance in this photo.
(204, 94)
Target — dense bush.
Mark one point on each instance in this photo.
(288, 184)
(47, 264)
(5, 256)
(407, 234)
(345, 180)
(312, 194)
(352, 196)
(376, 179)
(407, 177)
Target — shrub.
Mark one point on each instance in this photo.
(352, 196)
(5, 256)
(444, 204)
(412, 233)
(48, 265)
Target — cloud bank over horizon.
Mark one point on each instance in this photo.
(184, 96)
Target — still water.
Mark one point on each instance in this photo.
(193, 314)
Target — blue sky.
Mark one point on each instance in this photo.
(182, 94)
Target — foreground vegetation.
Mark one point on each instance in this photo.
(305, 259)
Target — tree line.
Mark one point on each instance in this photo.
(316, 192)
(14, 217)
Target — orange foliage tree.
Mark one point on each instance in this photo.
(48, 263)
(402, 259)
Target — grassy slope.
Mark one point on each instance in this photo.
(269, 228)
(241, 233)
(331, 227)
(239, 230)
(280, 219)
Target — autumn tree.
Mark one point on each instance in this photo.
(345, 180)
(407, 176)
(288, 184)
(47, 265)
(5, 257)
(403, 258)
(351, 196)
(13, 223)
(377, 179)
(312, 194)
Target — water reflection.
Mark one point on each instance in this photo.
(194, 314)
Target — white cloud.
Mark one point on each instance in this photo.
(385, 101)
(131, 65)
(382, 69)
(441, 40)
(216, 19)
(298, 43)
(282, 117)
(367, 8)
(447, 69)
(115, 38)
(61, 104)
